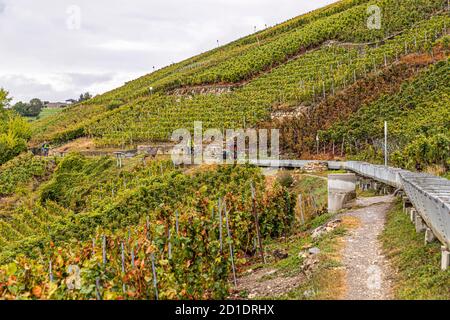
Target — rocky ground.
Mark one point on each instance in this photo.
(367, 270)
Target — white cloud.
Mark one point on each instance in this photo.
(123, 45)
(118, 41)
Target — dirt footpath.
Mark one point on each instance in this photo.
(367, 270)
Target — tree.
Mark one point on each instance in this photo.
(4, 99)
(21, 108)
(14, 131)
(36, 106)
(84, 97)
(31, 109)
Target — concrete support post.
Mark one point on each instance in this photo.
(419, 223)
(412, 215)
(407, 211)
(445, 258)
(406, 203)
(341, 189)
(429, 236)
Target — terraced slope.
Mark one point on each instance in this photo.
(290, 65)
(113, 221)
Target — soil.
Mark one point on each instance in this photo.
(368, 275)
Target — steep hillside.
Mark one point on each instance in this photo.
(89, 213)
(279, 70)
(155, 230)
(412, 95)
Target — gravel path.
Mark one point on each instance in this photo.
(367, 271)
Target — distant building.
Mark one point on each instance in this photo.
(55, 105)
(71, 101)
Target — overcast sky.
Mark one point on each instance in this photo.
(56, 49)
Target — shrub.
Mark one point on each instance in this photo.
(285, 179)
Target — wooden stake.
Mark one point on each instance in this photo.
(123, 265)
(314, 203)
(155, 281)
(123, 257)
(50, 271)
(231, 245)
(132, 257)
(258, 234)
(170, 245)
(97, 289)
(104, 250)
(220, 225)
(176, 222)
(300, 204)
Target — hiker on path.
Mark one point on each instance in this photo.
(45, 149)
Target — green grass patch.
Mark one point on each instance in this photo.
(46, 112)
(418, 274)
(366, 193)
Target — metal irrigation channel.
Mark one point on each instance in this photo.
(429, 194)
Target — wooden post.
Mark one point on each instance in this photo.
(300, 205)
(155, 281)
(104, 250)
(123, 265)
(231, 245)
(314, 94)
(97, 289)
(314, 203)
(122, 257)
(220, 225)
(170, 245)
(50, 271)
(255, 214)
(132, 257)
